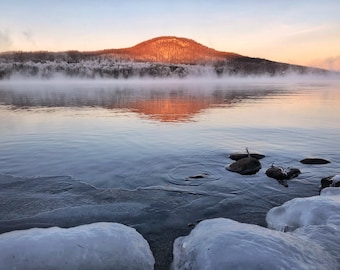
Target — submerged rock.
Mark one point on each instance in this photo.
(276, 173)
(313, 161)
(281, 174)
(245, 166)
(197, 176)
(238, 156)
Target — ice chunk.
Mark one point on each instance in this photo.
(94, 246)
(326, 236)
(299, 212)
(330, 191)
(226, 244)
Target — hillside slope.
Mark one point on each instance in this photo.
(159, 57)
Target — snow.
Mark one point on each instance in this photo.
(316, 219)
(330, 191)
(303, 233)
(336, 177)
(99, 68)
(299, 212)
(326, 236)
(94, 246)
(226, 244)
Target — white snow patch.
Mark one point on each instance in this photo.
(327, 236)
(336, 178)
(94, 246)
(226, 244)
(331, 191)
(299, 212)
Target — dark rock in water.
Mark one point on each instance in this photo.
(276, 173)
(281, 174)
(326, 182)
(238, 156)
(245, 166)
(198, 176)
(314, 161)
(292, 173)
(330, 181)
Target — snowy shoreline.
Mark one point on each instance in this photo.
(312, 220)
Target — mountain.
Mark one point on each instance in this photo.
(170, 49)
(166, 56)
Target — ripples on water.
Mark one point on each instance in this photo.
(114, 135)
(159, 135)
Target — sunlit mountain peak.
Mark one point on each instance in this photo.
(171, 49)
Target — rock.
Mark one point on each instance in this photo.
(238, 156)
(245, 166)
(281, 174)
(198, 176)
(276, 173)
(292, 173)
(314, 161)
(330, 181)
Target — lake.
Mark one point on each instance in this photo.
(152, 154)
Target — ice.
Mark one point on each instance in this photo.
(314, 218)
(299, 212)
(226, 244)
(330, 191)
(326, 236)
(336, 178)
(94, 246)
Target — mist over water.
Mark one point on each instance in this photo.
(83, 128)
(114, 146)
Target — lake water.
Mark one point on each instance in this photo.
(147, 138)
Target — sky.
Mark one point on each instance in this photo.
(298, 32)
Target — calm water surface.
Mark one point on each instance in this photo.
(133, 135)
(152, 136)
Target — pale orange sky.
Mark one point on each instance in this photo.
(299, 32)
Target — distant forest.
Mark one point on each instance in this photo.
(91, 65)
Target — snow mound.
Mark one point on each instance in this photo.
(94, 246)
(226, 244)
(331, 191)
(327, 236)
(299, 212)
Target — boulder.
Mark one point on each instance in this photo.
(245, 166)
(313, 161)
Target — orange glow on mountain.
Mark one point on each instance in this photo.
(170, 50)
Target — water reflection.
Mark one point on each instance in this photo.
(173, 104)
